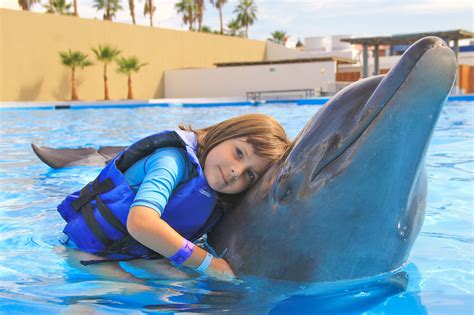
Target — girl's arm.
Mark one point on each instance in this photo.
(145, 225)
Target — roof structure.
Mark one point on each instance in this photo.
(402, 39)
(407, 39)
(283, 61)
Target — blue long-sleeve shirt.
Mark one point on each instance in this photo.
(154, 177)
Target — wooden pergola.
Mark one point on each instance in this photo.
(402, 39)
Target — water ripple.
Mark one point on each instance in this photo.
(459, 238)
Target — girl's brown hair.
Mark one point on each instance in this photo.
(264, 133)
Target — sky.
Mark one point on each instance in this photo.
(307, 18)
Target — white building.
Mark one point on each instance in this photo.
(325, 65)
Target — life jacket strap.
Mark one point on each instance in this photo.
(120, 247)
(99, 261)
(110, 217)
(88, 214)
(83, 204)
(90, 191)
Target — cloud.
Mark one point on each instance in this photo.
(9, 4)
(303, 18)
(368, 5)
(439, 6)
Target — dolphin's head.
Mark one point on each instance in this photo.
(399, 109)
(349, 199)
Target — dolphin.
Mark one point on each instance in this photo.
(348, 200)
(59, 158)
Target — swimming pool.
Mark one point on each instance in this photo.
(38, 275)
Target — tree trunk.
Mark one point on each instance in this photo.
(200, 15)
(132, 10)
(25, 6)
(51, 7)
(74, 96)
(106, 83)
(150, 5)
(220, 17)
(130, 92)
(246, 31)
(191, 20)
(76, 13)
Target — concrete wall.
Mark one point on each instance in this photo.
(237, 81)
(30, 67)
(280, 52)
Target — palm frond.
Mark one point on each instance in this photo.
(74, 58)
(105, 53)
(129, 65)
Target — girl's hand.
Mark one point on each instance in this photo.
(220, 269)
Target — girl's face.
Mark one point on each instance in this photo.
(232, 166)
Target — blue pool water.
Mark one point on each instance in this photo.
(38, 275)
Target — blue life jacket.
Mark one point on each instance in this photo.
(96, 215)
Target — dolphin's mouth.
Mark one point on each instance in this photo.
(347, 144)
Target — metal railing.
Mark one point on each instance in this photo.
(280, 94)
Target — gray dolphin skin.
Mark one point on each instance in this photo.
(349, 199)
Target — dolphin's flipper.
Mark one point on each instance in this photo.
(58, 158)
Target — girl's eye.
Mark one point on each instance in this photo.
(251, 175)
(239, 153)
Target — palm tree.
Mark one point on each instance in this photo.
(246, 14)
(187, 8)
(278, 37)
(50, 7)
(127, 66)
(27, 4)
(76, 13)
(218, 4)
(109, 6)
(74, 59)
(59, 7)
(234, 28)
(206, 29)
(150, 10)
(105, 54)
(199, 13)
(131, 4)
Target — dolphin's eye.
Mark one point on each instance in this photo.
(283, 177)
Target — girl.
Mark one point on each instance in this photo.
(170, 188)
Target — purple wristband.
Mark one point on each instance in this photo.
(183, 253)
